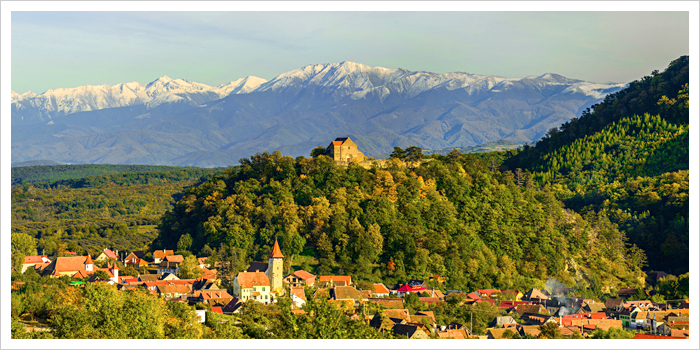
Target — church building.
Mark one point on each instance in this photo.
(261, 280)
(343, 149)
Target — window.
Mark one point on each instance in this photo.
(263, 289)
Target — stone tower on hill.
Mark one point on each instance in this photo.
(344, 150)
(274, 270)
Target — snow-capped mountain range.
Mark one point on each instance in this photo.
(343, 79)
(179, 122)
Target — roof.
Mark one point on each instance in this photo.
(397, 313)
(535, 293)
(138, 253)
(168, 264)
(250, 279)
(35, 259)
(257, 266)
(346, 292)
(217, 309)
(304, 275)
(533, 309)
(430, 314)
(453, 334)
(346, 279)
(299, 292)
(380, 288)
(473, 296)
(160, 254)
(497, 333)
(337, 143)
(174, 258)
(74, 263)
(652, 336)
(488, 292)
(429, 300)
(611, 303)
(232, 305)
(276, 252)
(88, 261)
(407, 288)
(219, 294)
(390, 303)
(136, 261)
(174, 288)
(150, 277)
(110, 254)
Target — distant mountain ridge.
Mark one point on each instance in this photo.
(178, 122)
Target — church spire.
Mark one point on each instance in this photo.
(276, 252)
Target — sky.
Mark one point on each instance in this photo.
(54, 49)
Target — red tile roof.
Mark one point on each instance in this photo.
(35, 259)
(249, 279)
(347, 279)
(160, 254)
(136, 261)
(299, 292)
(276, 252)
(110, 254)
(89, 260)
(407, 288)
(337, 143)
(75, 263)
(380, 288)
(429, 300)
(217, 309)
(174, 258)
(219, 294)
(304, 275)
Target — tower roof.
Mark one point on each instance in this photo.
(88, 260)
(276, 252)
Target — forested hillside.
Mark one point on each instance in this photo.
(450, 216)
(85, 215)
(628, 158)
(54, 173)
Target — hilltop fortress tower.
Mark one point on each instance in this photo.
(344, 150)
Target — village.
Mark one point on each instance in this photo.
(522, 315)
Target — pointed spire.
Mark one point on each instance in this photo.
(88, 261)
(276, 252)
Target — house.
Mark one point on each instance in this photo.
(379, 290)
(33, 260)
(299, 279)
(346, 293)
(217, 309)
(167, 276)
(407, 288)
(252, 285)
(613, 305)
(535, 293)
(158, 255)
(325, 281)
(232, 307)
(486, 293)
(625, 315)
(137, 254)
(298, 296)
(107, 255)
(524, 331)
(150, 277)
(529, 308)
(209, 274)
(343, 149)
(168, 267)
(591, 307)
(76, 266)
(499, 321)
(135, 262)
(452, 334)
(409, 331)
(388, 303)
(497, 333)
(537, 319)
(388, 318)
(213, 298)
(170, 291)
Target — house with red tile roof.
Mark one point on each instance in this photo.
(33, 260)
(406, 288)
(159, 255)
(486, 293)
(169, 291)
(299, 278)
(135, 262)
(379, 290)
(107, 254)
(174, 258)
(298, 296)
(79, 266)
(343, 149)
(220, 297)
(324, 281)
(138, 254)
(252, 285)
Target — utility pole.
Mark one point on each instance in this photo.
(471, 319)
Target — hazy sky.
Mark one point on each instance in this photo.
(69, 49)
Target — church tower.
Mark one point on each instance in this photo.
(274, 270)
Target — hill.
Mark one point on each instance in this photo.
(627, 159)
(450, 216)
